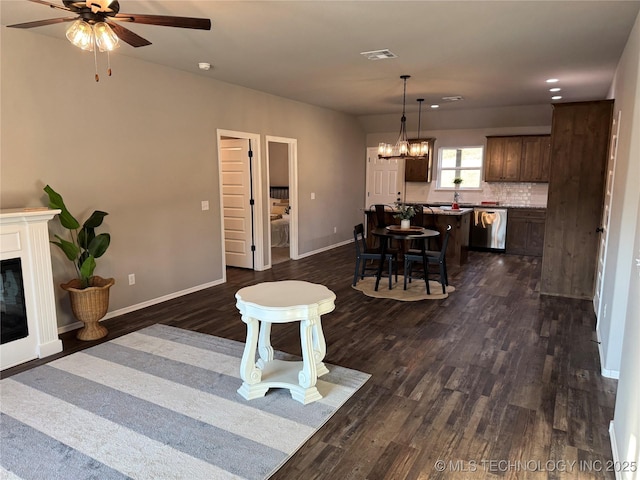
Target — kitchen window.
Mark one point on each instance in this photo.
(460, 162)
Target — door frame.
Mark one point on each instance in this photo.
(256, 178)
(292, 156)
(598, 307)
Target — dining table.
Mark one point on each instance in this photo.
(395, 232)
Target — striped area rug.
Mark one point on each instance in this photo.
(160, 403)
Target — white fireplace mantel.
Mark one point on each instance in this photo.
(24, 234)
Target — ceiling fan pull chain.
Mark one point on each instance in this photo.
(95, 61)
(108, 63)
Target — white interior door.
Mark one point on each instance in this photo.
(604, 223)
(236, 201)
(384, 179)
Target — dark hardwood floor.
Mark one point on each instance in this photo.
(496, 381)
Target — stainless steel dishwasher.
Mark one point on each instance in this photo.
(489, 229)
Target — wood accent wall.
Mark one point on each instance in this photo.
(579, 148)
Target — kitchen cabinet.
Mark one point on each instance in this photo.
(534, 166)
(420, 169)
(525, 231)
(503, 157)
(580, 138)
(517, 159)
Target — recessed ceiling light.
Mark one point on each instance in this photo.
(435, 106)
(556, 97)
(453, 98)
(555, 89)
(204, 66)
(379, 54)
(552, 80)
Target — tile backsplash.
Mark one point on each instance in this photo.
(516, 194)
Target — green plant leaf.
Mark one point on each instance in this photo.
(55, 201)
(87, 268)
(85, 237)
(95, 220)
(71, 250)
(99, 245)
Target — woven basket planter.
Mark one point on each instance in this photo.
(89, 305)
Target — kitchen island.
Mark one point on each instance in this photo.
(437, 218)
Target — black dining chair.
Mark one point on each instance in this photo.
(365, 258)
(380, 220)
(426, 258)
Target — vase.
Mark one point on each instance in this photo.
(89, 305)
(405, 223)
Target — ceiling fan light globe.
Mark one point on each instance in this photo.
(106, 40)
(80, 33)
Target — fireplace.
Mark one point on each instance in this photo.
(12, 307)
(28, 324)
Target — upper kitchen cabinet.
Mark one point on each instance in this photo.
(535, 158)
(420, 169)
(517, 159)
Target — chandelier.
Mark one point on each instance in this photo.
(95, 37)
(404, 147)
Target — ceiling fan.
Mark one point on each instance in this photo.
(97, 11)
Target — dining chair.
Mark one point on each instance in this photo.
(364, 255)
(431, 224)
(381, 222)
(426, 258)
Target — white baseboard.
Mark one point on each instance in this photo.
(148, 303)
(614, 450)
(324, 249)
(615, 374)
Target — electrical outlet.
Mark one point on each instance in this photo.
(335, 229)
(132, 279)
(313, 196)
(205, 205)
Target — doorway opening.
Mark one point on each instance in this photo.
(283, 197)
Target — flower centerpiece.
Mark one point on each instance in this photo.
(404, 213)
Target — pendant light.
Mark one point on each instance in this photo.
(419, 148)
(401, 148)
(404, 148)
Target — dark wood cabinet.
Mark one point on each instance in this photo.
(525, 231)
(503, 159)
(420, 169)
(535, 158)
(517, 159)
(580, 136)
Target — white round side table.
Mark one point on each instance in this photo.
(283, 302)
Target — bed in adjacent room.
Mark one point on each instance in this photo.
(279, 204)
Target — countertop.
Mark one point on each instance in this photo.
(479, 205)
(444, 209)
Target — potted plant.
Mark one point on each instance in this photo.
(88, 293)
(456, 195)
(405, 213)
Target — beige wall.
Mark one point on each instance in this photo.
(141, 145)
(620, 329)
(278, 164)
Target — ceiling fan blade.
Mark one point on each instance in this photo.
(42, 23)
(165, 20)
(128, 36)
(52, 5)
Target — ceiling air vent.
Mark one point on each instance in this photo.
(379, 54)
(452, 98)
